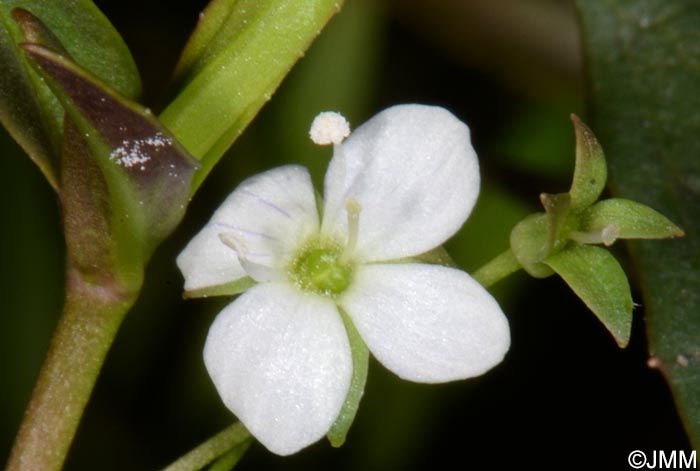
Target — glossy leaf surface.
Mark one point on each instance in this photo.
(644, 63)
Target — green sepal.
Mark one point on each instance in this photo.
(138, 177)
(590, 173)
(436, 256)
(227, 289)
(598, 279)
(28, 109)
(557, 209)
(634, 220)
(360, 362)
(529, 242)
(236, 59)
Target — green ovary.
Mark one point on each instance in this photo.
(319, 270)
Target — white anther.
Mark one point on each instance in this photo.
(329, 127)
(609, 234)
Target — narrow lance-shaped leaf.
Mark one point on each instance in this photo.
(644, 64)
(146, 173)
(590, 173)
(28, 109)
(634, 220)
(231, 68)
(598, 279)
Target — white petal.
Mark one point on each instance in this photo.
(427, 323)
(415, 174)
(269, 216)
(281, 361)
(207, 262)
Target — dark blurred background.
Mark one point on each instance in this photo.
(512, 70)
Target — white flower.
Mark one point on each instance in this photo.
(399, 186)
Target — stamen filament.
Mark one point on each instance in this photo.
(353, 209)
(257, 271)
(607, 236)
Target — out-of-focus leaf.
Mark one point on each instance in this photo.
(537, 141)
(228, 75)
(634, 220)
(126, 178)
(598, 279)
(28, 109)
(644, 64)
(590, 173)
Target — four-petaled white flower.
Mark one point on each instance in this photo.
(399, 186)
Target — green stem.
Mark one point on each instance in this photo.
(89, 322)
(229, 460)
(231, 442)
(497, 269)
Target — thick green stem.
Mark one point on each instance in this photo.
(89, 322)
(497, 269)
(232, 441)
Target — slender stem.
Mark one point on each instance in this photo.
(90, 320)
(236, 436)
(231, 458)
(497, 269)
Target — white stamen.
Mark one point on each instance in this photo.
(329, 127)
(353, 209)
(256, 271)
(607, 236)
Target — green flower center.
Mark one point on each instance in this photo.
(321, 270)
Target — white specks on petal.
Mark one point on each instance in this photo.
(329, 127)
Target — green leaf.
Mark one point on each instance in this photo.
(232, 67)
(529, 242)
(590, 173)
(644, 64)
(598, 279)
(126, 180)
(360, 360)
(28, 109)
(634, 220)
